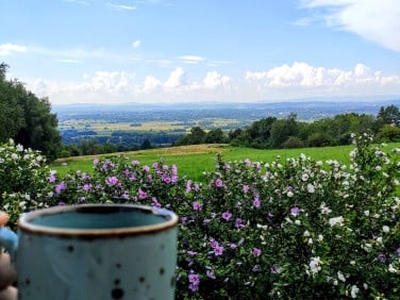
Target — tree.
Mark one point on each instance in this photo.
(215, 136)
(282, 129)
(11, 114)
(390, 115)
(197, 135)
(26, 118)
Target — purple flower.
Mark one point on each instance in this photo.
(60, 187)
(256, 202)
(135, 162)
(189, 186)
(194, 280)
(382, 257)
(174, 170)
(295, 211)
(86, 187)
(214, 243)
(233, 246)
(218, 250)
(61, 203)
(142, 194)
(226, 215)
(112, 180)
(275, 269)
(95, 161)
(146, 168)
(239, 223)
(184, 220)
(245, 188)
(52, 178)
(219, 183)
(197, 205)
(247, 162)
(256, 252)
(191, 253)
(206, 221)
(398, 251)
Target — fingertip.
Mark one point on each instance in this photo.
(3, 218)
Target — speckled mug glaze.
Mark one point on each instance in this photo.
(97, 252)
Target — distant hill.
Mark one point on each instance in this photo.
(305, 109)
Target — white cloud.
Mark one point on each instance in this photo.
(374, 20)
(176, 78)
(191, 59)
(150, 83)
(9, 48)
(136, 44)
(214, 79)
(301, 74)
(284, 82)
(121, 6)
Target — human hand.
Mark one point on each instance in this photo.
(7, 273)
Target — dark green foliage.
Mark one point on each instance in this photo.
(27, 119)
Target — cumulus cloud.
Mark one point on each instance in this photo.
(150, 83)
(176, 78)
(284, 82)
(374, 20)
(9, 48)
(301, 74)
(214, 79)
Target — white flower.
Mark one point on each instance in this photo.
(297, 222)
(305, 177)
(310, 188)
(315, 265)
(320, 237)
(391, 269)
(354, 291)
(306, 233)
(366, 212)
(386, 229)
(324, 209)
(290, 194)
(336, 220)
(341, 276)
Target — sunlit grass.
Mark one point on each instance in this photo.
(193, 160)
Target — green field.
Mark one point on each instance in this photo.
(193, 160)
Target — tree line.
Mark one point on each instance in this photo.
(274, 133)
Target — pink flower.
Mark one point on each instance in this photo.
(256, 202)
(197, 205)
(218, 250)
(246, 188)
(226, 215)
(256, 252)
(219, 183)
(142, 194)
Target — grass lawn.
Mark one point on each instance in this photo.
(193, 160)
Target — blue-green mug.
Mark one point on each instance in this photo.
(94, 252)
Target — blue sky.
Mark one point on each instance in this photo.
(114, 51)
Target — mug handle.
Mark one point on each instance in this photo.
(8, 240)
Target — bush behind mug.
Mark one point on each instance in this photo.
(95, 252)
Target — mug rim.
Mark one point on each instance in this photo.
(25, 225)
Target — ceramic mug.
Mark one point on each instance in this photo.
(94, 252)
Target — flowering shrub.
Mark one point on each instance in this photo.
(293, 229)
(22, 178)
